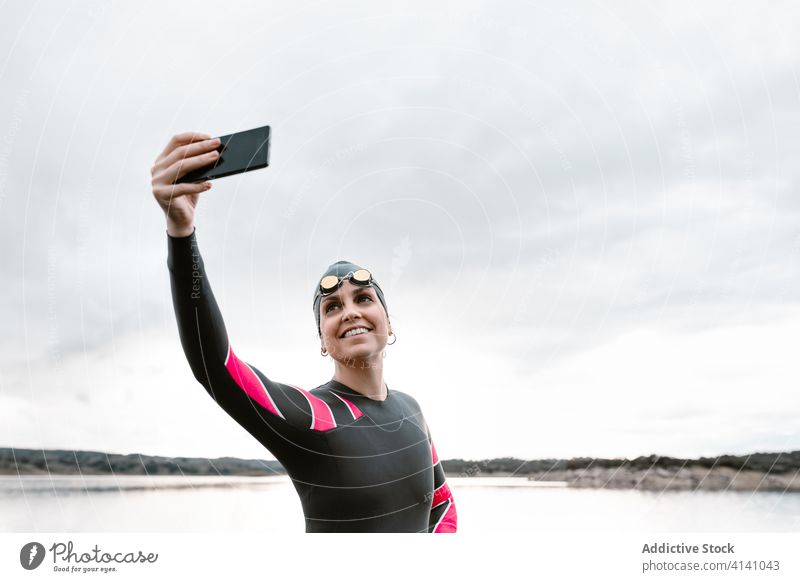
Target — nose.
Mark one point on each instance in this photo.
(350, 310)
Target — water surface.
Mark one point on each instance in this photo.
(143, 503)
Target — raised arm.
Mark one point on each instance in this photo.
(270, 411)
(443, 517)
(241, 389)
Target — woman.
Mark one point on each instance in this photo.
(359, 454)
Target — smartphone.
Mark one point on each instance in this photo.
(239, 152)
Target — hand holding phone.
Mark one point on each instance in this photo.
(191, 159)
(185, 152)
(238, 152)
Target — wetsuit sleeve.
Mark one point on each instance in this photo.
(263, 407)
(443, 517)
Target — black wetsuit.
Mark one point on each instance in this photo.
(358, 464)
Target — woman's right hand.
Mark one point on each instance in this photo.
(184, 152)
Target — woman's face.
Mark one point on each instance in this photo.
(349, 308)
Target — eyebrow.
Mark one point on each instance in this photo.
(355, 291)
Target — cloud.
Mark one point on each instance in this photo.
(536, 183)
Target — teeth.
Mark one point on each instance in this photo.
(356, 331)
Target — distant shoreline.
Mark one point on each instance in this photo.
(684, 479)
(778, 472)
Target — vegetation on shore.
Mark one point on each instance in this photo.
(772, 463)
(583, 471)
(66, 462)
(777, 472)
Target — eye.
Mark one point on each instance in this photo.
(333, 304)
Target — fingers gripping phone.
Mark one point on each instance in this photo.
(239, 152)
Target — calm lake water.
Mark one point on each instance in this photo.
(169, 504)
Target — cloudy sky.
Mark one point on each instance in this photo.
(586, 219)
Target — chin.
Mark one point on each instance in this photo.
(360, 352)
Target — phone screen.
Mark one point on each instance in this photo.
(239, 152)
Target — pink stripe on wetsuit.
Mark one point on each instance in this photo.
(321, 415)
(249, 382)
(448, 522)
(351, 407)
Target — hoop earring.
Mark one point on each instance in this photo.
(323, 351)
(395, 339)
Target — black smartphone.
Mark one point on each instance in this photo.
(239, 152)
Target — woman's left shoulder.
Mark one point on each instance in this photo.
(406, 397)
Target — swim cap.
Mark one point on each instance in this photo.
(340, 269)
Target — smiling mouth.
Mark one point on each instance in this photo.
(345, 336)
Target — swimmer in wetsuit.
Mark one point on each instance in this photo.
(360, 455)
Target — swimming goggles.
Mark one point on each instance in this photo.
(331, 283)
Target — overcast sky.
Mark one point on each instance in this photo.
(586, 219)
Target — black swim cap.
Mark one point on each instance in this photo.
(340, 269)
